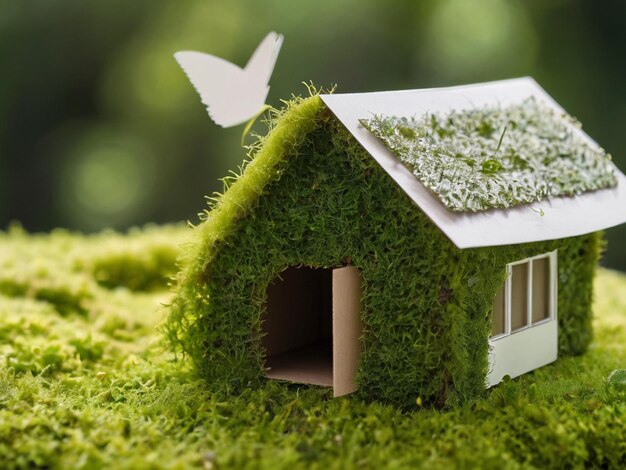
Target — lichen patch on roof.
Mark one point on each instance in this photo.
(496, 157)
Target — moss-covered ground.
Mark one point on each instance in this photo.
(85, 382)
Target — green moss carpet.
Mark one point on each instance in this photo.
(86, 382)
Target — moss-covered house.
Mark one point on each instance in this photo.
(408, 244)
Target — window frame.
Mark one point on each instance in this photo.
(552, 292)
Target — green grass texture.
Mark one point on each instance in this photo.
(86, 382)
(310, 195)
(482, 158)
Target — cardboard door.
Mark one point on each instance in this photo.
(346, 328)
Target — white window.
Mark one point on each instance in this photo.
(528, 297)
(525, 327)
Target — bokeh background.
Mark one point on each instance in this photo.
(100, 128)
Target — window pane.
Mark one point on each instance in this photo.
(541, 289)
(519, 296)
(498, 314)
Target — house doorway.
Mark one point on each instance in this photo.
(312, 328)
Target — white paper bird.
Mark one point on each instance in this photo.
(231, 94)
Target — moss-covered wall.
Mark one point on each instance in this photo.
(325, 202)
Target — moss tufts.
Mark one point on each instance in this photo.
(71, 272)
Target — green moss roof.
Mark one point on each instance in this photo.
(496, 157)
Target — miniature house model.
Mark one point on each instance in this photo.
(422, 243)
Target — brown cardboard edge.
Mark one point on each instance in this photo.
(347, 329)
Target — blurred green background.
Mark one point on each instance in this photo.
(100, 128)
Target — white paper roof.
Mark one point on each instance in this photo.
(562, 217)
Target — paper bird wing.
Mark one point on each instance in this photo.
(217, 81)
(232, 95)
(263, 60)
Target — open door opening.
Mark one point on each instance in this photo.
(311, 330)
(298, 327)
